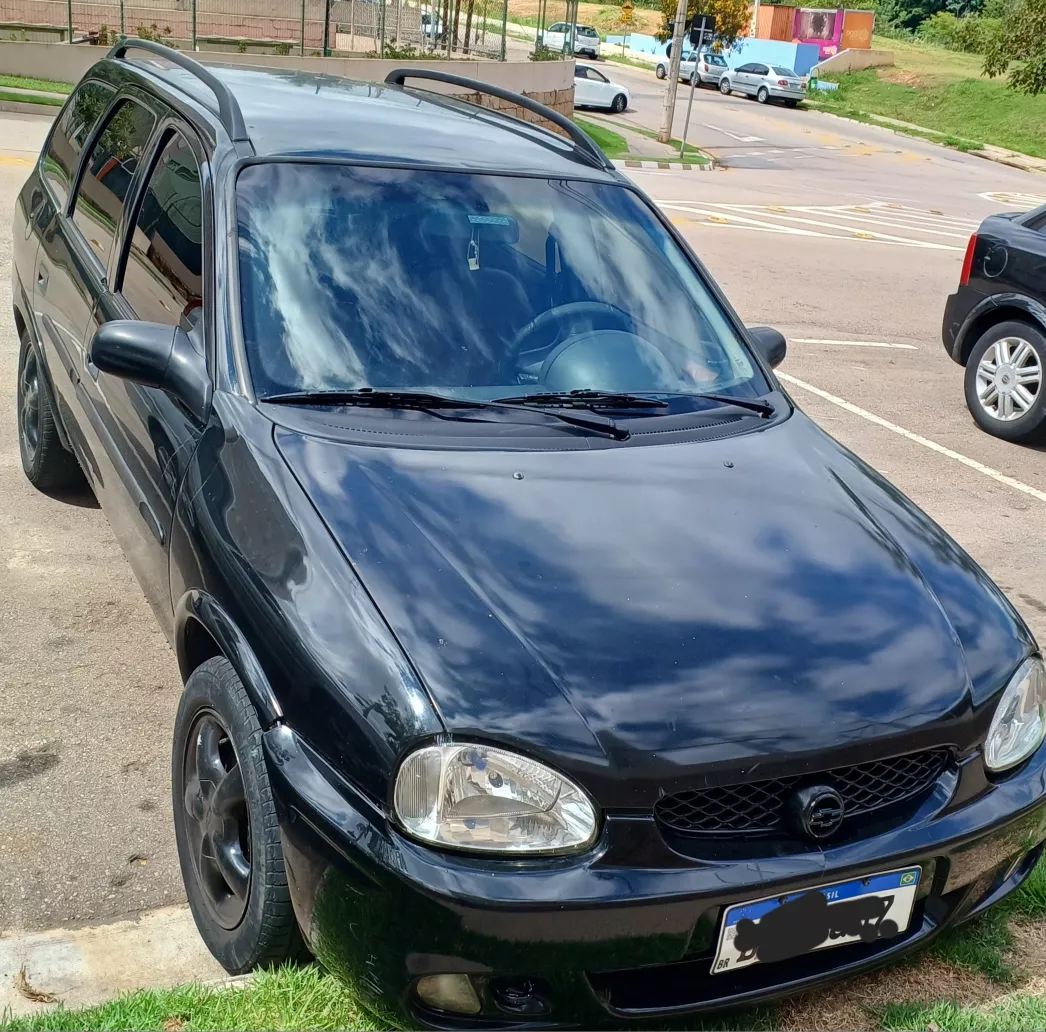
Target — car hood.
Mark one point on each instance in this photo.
(640, 612)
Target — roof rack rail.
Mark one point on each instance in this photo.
(228, 110)
(398, 76)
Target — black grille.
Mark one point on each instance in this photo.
(759, 806)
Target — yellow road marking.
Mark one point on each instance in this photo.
(6, 159)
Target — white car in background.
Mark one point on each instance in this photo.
(593, 89)
(705, 71)
(586, 39)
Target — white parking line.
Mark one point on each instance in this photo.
(854, 343)
(735, 136)
(1002, 478)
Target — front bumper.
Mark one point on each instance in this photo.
(627, 931)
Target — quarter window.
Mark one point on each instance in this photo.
(79, 116)
(163, 278)
(107, 176)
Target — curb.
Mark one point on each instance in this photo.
(1001, 156)
(19, 107)
(83, 967)
(667, 163)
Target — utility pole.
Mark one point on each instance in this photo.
(668, 108)
(754, 29)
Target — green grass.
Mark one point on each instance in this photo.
(612, 144)
(980, 945)
(25, 98)
(23, 83)
(692, 154)
(964, 109)
(1015, 1014)
(290, 998)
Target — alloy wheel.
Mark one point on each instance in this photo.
(724, 87)
(216, 819)
(29, 403)
(1009, 379)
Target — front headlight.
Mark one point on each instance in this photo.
(479, 798)
(1020, 718)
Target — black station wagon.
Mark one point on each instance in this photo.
(544, 664)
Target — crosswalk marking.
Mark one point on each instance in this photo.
(1025, 201)
(877, 222)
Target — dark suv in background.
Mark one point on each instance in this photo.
(544, 664)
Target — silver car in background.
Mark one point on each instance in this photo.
(764, 83)
(706, 70)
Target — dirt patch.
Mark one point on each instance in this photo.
(1028, 955)
(850, 1007)
(902, 78)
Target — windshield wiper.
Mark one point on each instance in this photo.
(586, 399)
(423, 401)
(369, 396)
(764, 408)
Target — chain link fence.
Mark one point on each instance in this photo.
(379, 28)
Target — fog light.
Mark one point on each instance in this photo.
(448, 993)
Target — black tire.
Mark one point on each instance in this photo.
(242, 826)
(693, 80)
(1031, 426)
(45, 460)
(661, 71)
(724, 86)
(763, 96)
(619, 105)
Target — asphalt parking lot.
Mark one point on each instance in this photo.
(849, 247)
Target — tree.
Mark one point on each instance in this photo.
(732, 17)
(1022, 43)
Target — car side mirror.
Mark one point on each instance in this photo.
(154, 355)
(770, 343)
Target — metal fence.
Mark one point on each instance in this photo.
(381, 28)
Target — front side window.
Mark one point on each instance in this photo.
(476, 286)
(163, 278)
(598, 76)
(107, 176)
(79, 117)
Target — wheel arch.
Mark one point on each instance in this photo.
(204, 630)
(1000, 308)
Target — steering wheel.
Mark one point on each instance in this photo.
(553, 319)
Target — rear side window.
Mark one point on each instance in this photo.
(107, 176)
(785, 71)
(79, 117)
(163, 279)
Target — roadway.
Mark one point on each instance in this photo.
(845, 237)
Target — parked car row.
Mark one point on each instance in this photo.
(759, 81)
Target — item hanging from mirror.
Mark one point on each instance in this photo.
(473, 253)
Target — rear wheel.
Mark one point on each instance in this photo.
(45, 460)
(661, 71)
(724, 86)
(619, 104)
(763, 96)
(1005, 392)
(226, 826)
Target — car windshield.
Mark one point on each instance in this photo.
(470, 285)
(785, 71)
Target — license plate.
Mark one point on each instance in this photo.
(779, 927)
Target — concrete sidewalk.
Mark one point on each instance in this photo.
(87, 966)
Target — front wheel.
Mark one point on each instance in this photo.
(724, 86)
(763, 96)
(1004, 382)
(226, 827)
(619, 104)
(661, 71)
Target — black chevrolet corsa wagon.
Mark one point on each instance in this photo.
(544, 664)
